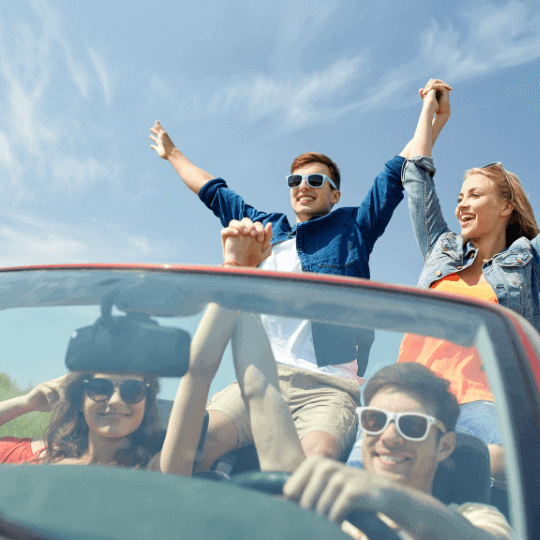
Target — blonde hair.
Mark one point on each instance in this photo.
(522, 221)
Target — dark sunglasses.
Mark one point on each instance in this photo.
(412, 426)
(314, 180)
(501, 166)
(132, 391)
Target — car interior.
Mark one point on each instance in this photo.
(136, 322)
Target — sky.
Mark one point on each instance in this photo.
(243, 88)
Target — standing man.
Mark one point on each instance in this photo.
(318, 364)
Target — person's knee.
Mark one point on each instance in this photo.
(255, 384)
(321, 443)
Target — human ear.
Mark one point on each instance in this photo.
(336, 195)
(508, 208)
(446, 446)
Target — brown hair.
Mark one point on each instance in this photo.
(522, 221)
(67, 434)
(416, 379)
(314, 157)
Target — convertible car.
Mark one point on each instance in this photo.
(55, 319)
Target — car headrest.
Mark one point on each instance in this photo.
(465, 476)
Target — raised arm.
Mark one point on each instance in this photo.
(41, 399)
(274, 433)
(187, 414)
(207, 348)
(193, 176)
(435, 96)
(417, 174)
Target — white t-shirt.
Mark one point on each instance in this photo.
(291, 339)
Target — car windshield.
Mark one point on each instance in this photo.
(56, 320)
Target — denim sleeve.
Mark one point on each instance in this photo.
(227, 204)
(535, 243)
(376, 210)
(426, 214)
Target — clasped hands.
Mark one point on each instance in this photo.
(246, 243)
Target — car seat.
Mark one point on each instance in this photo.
(465, 476)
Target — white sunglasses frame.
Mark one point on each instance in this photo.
(394, 417)
(305, 177)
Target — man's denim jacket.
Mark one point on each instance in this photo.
(514, 273)
(338, 243)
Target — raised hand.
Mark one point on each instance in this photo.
(164, 146)
(437, 91)
(246, 243)
(46, 395)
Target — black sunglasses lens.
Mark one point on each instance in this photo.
(413, 426)
(315, 180)
(99, 389)
(373, 421)
(132, 391)
(294, 180)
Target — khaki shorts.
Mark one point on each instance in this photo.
(317, 402)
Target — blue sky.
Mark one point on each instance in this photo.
(243, 87)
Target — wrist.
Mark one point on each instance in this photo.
(174, 154)
(24, 403)
(442, 117)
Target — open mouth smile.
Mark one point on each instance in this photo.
(392, 459)
(466, 218)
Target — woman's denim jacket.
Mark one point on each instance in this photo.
(514, 273)
(338, 243)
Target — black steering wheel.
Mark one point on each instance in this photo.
(273, 482)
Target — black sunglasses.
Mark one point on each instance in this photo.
(132, 391)
(410, 425)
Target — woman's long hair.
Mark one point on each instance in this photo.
(522, 221)
(67, 434)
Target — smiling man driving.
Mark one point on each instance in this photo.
(408, 429)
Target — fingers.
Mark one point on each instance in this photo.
(310, 480)
(296, 484)
(434, 84)
(247, 227)
(157, 128)
(267, 236)
(51, 395)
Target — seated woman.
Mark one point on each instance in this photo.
(495, 258)
(113, 419)
(97, 419)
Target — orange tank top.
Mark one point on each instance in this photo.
(462, 366)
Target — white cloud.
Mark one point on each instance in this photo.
(6, 157)
(140, 243)
(37, 247)
(51, 34)
(26, 240)
(79, 173)
(101, 70)
(297, 100)
(499, 37)
(23, 122)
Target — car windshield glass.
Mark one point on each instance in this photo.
(123, 330)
